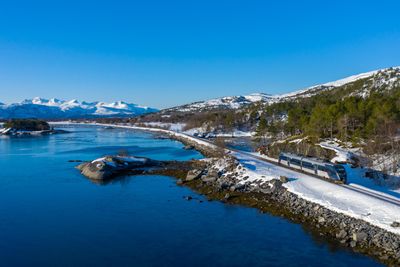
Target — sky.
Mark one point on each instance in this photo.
(166, 53)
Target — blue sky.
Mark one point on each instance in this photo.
(164, 53)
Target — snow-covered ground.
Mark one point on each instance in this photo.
(342, 154)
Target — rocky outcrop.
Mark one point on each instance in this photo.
(111, 166)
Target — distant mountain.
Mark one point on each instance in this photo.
(60, 109)
(229, 102)
(386, 78)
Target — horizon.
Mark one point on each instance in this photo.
(167, 54)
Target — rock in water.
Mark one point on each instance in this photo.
(110, 166)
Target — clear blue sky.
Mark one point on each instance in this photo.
(164, 53)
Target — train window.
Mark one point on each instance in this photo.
(322, 168)
(295, 162)
(283, 157)
(308, 165)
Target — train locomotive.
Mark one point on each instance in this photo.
(323, 169)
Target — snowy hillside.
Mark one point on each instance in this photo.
(229, 102)
(59, 109)
(389, 77)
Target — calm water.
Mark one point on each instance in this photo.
(51, 215)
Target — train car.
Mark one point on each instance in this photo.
(314, 166)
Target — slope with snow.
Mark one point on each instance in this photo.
(389, 77)
(60, 109)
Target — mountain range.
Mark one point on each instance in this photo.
(60, 109)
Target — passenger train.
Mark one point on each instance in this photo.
(315, 166)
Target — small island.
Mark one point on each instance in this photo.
(18, 127)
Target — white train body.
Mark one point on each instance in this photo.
(314, 166)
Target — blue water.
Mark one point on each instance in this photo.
(51, 215)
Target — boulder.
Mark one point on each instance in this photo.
(193, 175)
(208, 179)
(360, 236)
(342, 234)
(111, 166)
(395, 224)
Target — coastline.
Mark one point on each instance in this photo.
(274, 198)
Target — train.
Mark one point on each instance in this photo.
(324, 169)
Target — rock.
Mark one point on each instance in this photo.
(214, 173)
(353, 244)
(193, 175)
(188, 198)
(283, 179)
(227, 196)
(276, 184)
(395, 224)
(111, 166)
(360, 236)
(342, 234)
(188, 147)
(208, 179)
(179, 182)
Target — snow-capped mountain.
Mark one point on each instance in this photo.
(387, 78)
(59, 109)
(229, 102)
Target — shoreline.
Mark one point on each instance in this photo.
(272, 197)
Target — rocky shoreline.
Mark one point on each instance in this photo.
(219, 180)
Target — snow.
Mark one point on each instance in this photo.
(177, 127)
(342, 154)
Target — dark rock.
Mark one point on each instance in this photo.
(188, 147)
(75, 160)
(395, 224)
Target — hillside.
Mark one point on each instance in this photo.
(288, 113)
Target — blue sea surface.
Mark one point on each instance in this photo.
(50, 215)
